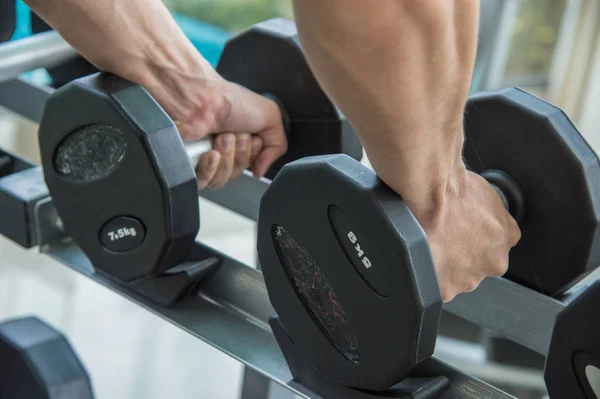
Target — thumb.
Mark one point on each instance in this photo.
(265, 159)
(207, 167)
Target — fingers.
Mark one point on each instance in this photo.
(257, 146)
(265, 159)
(207, 167)
(275, 144)
(450, 289)
(230, 156)
(243, 150)
(215, 167)
(498, 266)
(224, 144)
(452, 283)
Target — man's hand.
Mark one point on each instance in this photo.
(470, 233)
(140, 41)
(247, 128)
(231, 155)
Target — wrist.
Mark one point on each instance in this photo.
(185, 85)
(427, 178)
(161, 65)
(429, 204)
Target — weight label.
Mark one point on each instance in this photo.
(354, 241)
(122, 233)
(358, 251)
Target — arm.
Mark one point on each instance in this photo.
(401, 71)
(140, 41)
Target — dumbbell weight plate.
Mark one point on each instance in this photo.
(339, 252)
(573, 361)
(119, 176)
(558, 174)
(267, 58)
(37, 362)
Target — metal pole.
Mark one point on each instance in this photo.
(43, 50)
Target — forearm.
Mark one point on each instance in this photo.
(122, 35)
(401, 73)
(137, 40)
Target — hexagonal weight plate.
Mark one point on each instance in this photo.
(267, 58)
(573, 362)
(349, 272)
(119, 176)
(537, 145)
(39, 363)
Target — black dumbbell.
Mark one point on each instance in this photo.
(572, 367)
(119, 174)
(39, 363)
(348, 268)
(557, 174)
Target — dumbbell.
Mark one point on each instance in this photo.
(39, 363)
(120, 176)
(572, 368)
(347, 265)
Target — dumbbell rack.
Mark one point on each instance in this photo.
(231, 310)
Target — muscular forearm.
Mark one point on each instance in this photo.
(115, 34)
(401, 72)
(137, 40)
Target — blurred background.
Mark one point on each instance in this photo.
(549, 47)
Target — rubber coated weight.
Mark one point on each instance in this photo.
(573, 360)
(349, 271)
(267, 58)
(119, 176)
(39, 363)
(69, 70)
(558, 174)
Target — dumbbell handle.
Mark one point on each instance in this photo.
(509, 192)
(195, 149)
